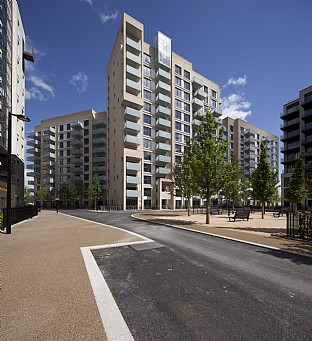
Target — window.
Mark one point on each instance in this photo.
(213, 103)
(147, 71)
(147, 95)
(86, 141)
(147, 119)
(178, 104)
(147, 58)
(178, 137)
(86, 123)
(61, 136)
(186, 139)
(68, 126)
(61, 153)
(232, 137)
(147, 167)
(61, 144)
(186, 96)
(148, 144)
(68, 135)
(86, 150)
(187, 107)
(86, 168)
(187, 75)
(178, 70)
(186, 128)
(187, 118)
(147, 83)
(68, 144)
(68, 152)
(147, 191)
(178, 81)
(86, 132)
(148, 156)
(61, 162)
(178, 115)
(231, 128)
(147, 131)
(206, 89)
(213, 94)
(178, 126)
(187, 85)
(178, 148)
(86, 177)
(178, 92)
(86, 159)
(61, 127)
(148, 107)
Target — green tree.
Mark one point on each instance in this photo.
(308, 180)
(232, 180)
(28, 198)
(263, 180)
(79, 193)
(296, 191)
(95, 191)
(65, 193)
(183, 177)
(209, 159)
(42, 194)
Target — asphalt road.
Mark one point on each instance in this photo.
(197, 287)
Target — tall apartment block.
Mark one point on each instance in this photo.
(244, 141)
(67, 150)
(297, 135)
(13, 53)
(154, 98)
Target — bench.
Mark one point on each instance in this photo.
(240, 214)
(281, 212)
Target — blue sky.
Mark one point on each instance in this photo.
(258, 51)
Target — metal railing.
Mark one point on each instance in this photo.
(299, 225)
(19, 214)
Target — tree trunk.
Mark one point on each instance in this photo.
(208, 210)
(188, 206)
(262, 209)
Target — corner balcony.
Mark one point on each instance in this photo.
(197, 82)
(131, 193)
(163, 112)
(33, 143)
(163, 147)
(163, 171)
(162, 99)
(133, 73)
(307, 102)
(48, 138)
(200, 93)
(133, 180)
(132, 141)
(162, 87)
(49, 131)
(162, 123)
(34, 135)
(131, 127)
(248, 156)
(76, 125)
(133, 88)
(163, 75)
(163, 159)
(102, 122)
(290, 124)
(249, 140)
(132, 45)
(249, 132)
(197, 103)
(133, 60)
(163, 136)
(132, 114)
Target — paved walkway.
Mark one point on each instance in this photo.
(46, 293)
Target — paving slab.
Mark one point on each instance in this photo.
(46, 293)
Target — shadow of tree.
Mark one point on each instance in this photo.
(295, 258)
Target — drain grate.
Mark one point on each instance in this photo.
(146, 246)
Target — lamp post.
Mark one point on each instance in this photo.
(9, 169)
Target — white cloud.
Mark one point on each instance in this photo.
(88, 1)
(236, 106)
(236, 81)
(105, 16)
(79, 81)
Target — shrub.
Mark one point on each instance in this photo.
(305, 225)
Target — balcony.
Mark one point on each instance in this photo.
(132, 141)
(290, 147)
(48, 155)
(99, 140)
(33, 174)
(250, 132)
(132, 114)
(290, 158)
(291, 123)
(250, 148)
(76, 170)
(163, 159)
(163, 147)
(33, 143)
(99, 159)
(200, 93)
(28, 53)
(307, 140)
(76, 125)
(291, 135)
(102, 177)
(33, 158)
(162, 87)
(97, 150)
(49, 131)
(101, 169)
(76, 143)
(216, 111)
(162, 123)
(197, 82)
(33, 135)
(249, 140)
(99, 122)
(197, 103)
(77, 152)
(133, 87)
(133, 60)
(76, 134)
(77, 178)
(163, 112)
(134, 180)
(196, 122)
(307, 127)
(163, 170)
(199, 113)
(131, 193)
(163, 75)
(290, 112)
(163, 136)
(48, 164)
(77, 161)
(133, 73)
(132, 45)
(48, 180)
(307, 102)
(48, 172)
(131, 127)
(248, 156)
(134, 167)
(162, 99)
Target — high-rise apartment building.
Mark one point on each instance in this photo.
(13, 53)
(66, 151)
(154, 98)
(244, 141)
(297, 136)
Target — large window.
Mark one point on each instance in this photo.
(178, 92)
(178, 137)
(187, 107)
(147, 95)
(178, 126)
(147, 58)
(147, 167)
(178, 70)
(148, 156)
(148, 144)
(187, 118)
(186, 96)
(178, 104)
(178, 115)
(178, 148)
(186, 128)
(147, 131)
(147, 83)
(147, 119)
(147, 71)
(178, 81)
(187, 85)
(187, 75)
(147, 107)
(213, 94)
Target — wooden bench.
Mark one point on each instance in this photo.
(240, 214)
(281, 212)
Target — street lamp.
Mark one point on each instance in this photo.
(9, 169)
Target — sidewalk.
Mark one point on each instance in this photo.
(46, 293)
(267, 231)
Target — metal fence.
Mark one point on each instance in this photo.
(299, 225)
(19, 214)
